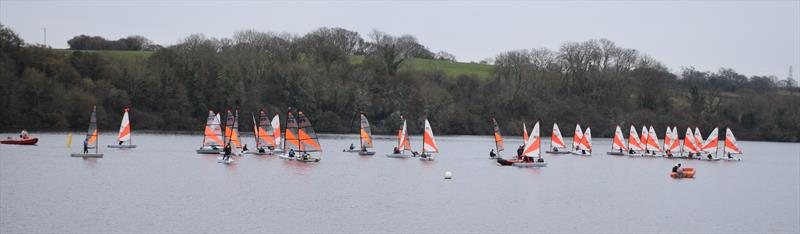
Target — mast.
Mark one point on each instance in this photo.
(255, 129)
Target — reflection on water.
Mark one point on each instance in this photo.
(163, 186)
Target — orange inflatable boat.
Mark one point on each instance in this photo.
(688, 172)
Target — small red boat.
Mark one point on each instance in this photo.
(29, 141)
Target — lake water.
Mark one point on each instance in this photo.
(163, 186)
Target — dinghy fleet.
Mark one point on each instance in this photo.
(297, 140)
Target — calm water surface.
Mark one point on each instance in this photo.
(163, 186)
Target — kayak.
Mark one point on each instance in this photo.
(688, 172)
(29, 141)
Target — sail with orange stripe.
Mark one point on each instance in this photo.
(498, 139)
(710, 145)
(652, 140)
(124, 128)
(730, 143)
(698, 139)
(92, 134)
(524, 133)
(428, 142)
(232, 130)
(688, 142)
(366, 132)
(619, 140)
(290, 140)
(309, 141)
(212, 135)
(263, 131)
(676, 141)
(576, 138)
(667, 138)
(586, 140)
(556, 140)
(645, 135)
(403, 142)
(634, 142)
(533, 145)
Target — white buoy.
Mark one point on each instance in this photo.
(448, 175)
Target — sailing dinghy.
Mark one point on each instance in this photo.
(231, 137)
(212, 135)
(518, 157)
(557, 145)
(617, 145)
(532, 154)
(730, 147)
(710, 146)
(635, 145)
(584, 147)
(429, 146)
(291, 144)
(308, 140)
(403, 143)
(263, 134)
(689, 146)
(652, 147)
(498, 141)
(91, 139)
(365, 133)
(672, 147)
(124, 134)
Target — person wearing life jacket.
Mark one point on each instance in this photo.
(226, 152)
(291, 153)
(492, 154)
(85, 147)
(23, 134)
(352, 147)
(630, 151)
(709, 156)
(395, 150)
(677, 169)
(519, 152)
(244, 148)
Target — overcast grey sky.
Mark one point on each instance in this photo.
(752, 37)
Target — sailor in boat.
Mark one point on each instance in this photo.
(227, 152)
(519, 152)
(396, 151)
(291, 153)
(23, 134)
(244, 148)
(630, 151)
(120, 142)
(555, 149)
(271, 148)
(414, 154)
(583, 151)
(669, 153)
(261, 150)
(677, 169)
(85, 147)
(730, 155)
(352, 147)
(363, 148)
(492, 154)
(305, 155)
(709, 156)
(691, 154)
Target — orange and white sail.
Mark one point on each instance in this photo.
(276, 125)
(586, 140)
(524, 133)
(688, 142)
(676, 141)
(365, 132)
(576, 138)
(619, 140)
(667, 138)
(124, 128)
(212, 135)
(556, 140)
(652, 140)
(402, 138)
(710, 144)
(634, 142)
(232, 130)
(290, 139)
(428, 142)
(730, 143)
(92, 133)
(645, 135)
(698, 139)
(309, 141)
(263, 131)
(533, 144)
(498, 139)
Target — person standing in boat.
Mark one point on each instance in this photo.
(85, 147)
(227, 152)
(519, 152)
(492, 154)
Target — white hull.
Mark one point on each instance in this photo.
(79, 155)
(208, 151)
(557, 152)
(366, 153)
(581, 154)
(732, 159)
(351, 150)
(122, 146)
(531, 164)
(228, 161)
(429, 158)
(400, 155)
(616, 153)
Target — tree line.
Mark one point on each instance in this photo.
(84, 42)
(595, 83)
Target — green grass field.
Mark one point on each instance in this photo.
(450, 68)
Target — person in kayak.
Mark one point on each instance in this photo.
(492, 154)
